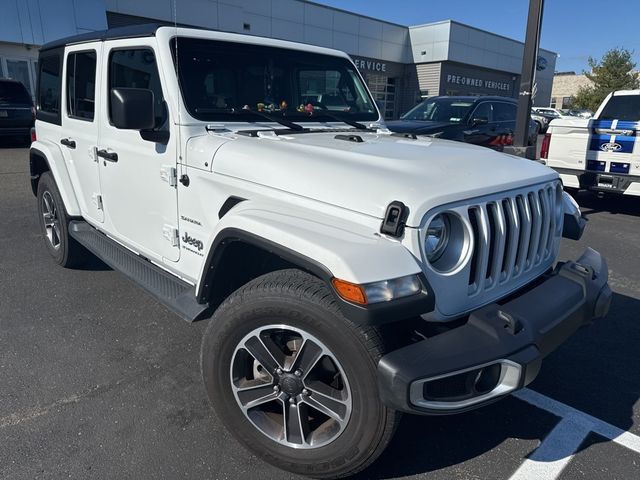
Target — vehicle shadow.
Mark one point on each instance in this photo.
(590, 203)
(602, 358)
(94, 264)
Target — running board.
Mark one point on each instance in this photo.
(178, 296)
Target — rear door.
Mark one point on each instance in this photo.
(504, 121)
(138, 176)
(79, 134)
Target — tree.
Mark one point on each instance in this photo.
(615, 71)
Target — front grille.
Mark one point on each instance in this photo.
(512, 235)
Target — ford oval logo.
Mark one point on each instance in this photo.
(610, 147)
(541, 63)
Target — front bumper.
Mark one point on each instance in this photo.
(500, 348)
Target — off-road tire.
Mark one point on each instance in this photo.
(64, 249)
(299, 300)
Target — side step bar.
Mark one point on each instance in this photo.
(178, 296)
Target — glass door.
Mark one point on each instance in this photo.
(19, 70)
(383, 89)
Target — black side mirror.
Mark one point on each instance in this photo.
(479, 121)
(132, 108)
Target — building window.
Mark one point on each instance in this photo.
(554, 102)
(81, 85)
(566, 102)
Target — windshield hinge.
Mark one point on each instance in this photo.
(216, 127)
(169, 175)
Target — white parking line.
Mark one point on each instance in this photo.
(555, 452)
(557, 449)
(613, 433)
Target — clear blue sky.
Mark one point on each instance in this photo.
(573, 28)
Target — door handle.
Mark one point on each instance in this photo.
(67, 142)
(111, 156)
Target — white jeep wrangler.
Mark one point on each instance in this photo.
(349, 273)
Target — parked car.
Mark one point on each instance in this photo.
(541, 121)
(17, 114)
(601, 154)
(348, 273)
(581, 113)
(550, 113)
(485, 121)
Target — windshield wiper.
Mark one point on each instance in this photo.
(273, 118)
(337, 118)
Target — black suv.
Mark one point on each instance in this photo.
(485, 121)
(16, 110)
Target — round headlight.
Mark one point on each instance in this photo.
(447, 242)
(437, 237)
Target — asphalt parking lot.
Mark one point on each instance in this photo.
(97, 380)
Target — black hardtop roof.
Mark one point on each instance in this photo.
(131, 31)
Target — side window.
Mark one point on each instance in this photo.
(504, 112)
(483, 110)
(137, 68)
(49, 88)
(81, 85)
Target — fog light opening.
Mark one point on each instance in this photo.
(487, 378)
(468, 387)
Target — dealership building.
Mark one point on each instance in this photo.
(401, 64)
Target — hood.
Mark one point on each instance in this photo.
(417, 126)
(366, 176)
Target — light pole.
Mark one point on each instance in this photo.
(529, 61)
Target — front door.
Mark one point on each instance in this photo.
(480, 128)
(79, 133)
(136, 175)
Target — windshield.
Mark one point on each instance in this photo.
(14, 92)
(223, 81)
(622, 107)
(439, 110)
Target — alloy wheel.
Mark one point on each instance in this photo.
(290, 386)
(51, 220)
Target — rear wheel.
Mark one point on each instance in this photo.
(54, 225)
(294, 380)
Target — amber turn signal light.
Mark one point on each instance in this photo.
(349, 291)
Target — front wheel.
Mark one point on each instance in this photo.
(294, 380)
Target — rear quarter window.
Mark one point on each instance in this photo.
(622, 107)
(49, 87)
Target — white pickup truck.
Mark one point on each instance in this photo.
(600, 154)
